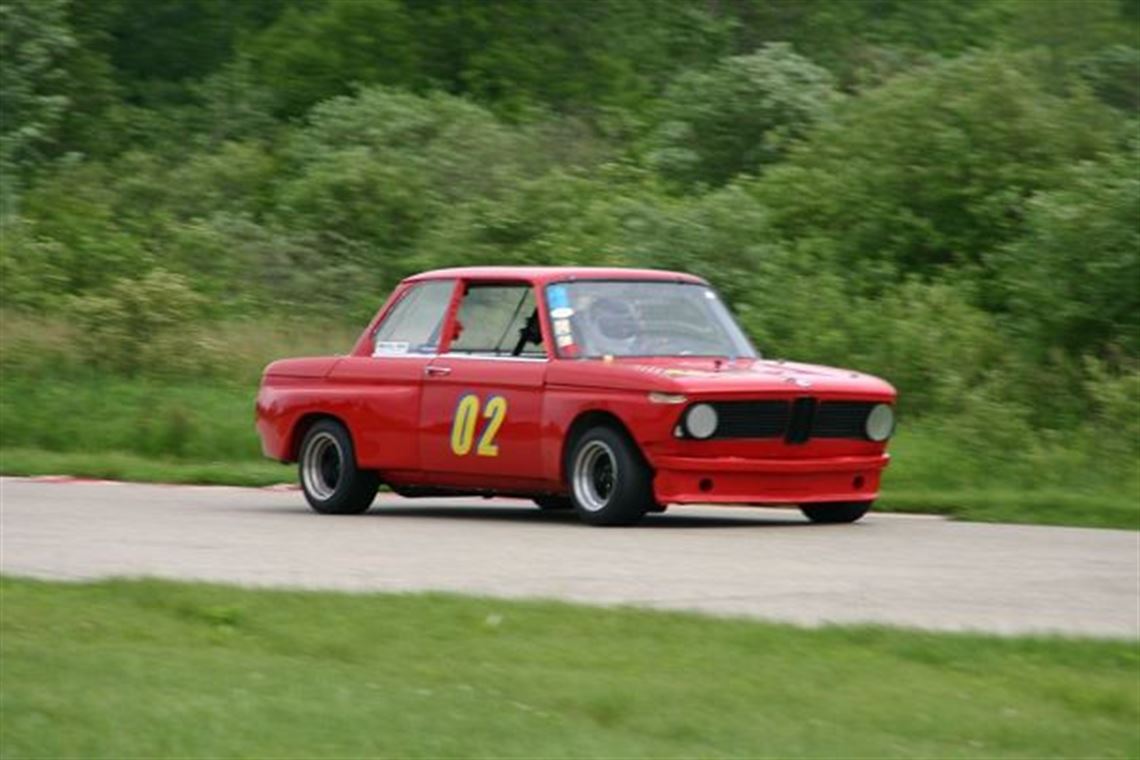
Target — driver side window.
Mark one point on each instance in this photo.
(498, 320)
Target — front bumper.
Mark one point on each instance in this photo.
(738, 480)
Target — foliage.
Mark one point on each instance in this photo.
(934, 168)
(1067, 31)
(70, 239)
(376, 166)
(34, 38)
(137, 323)
(1114, 75)
(325, 50)
(597, 58)
(864, 42)
(158, 46)
(1115, 411)
(738, 116)
(1074, 277)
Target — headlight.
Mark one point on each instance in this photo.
(700, 421)
(880, 422)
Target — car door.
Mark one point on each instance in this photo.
(381, 384)
(482, 400)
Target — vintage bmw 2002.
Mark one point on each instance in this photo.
(614, 392)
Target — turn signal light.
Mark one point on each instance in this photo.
(667, 398)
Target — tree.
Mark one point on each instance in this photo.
(853, 38)
(1114, 75)
(34, 38)
(311, 54)
(158, 47)
(935, 168)
(1074, 280)
(586, 58)
(739, 116)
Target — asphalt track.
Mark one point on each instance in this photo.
(901, 570)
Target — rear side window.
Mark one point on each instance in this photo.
(498, 320)
(414, 324)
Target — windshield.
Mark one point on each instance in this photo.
(642, 318)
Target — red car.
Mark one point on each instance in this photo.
(614, 392)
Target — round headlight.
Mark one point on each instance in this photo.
(880, 422)
(700, 421)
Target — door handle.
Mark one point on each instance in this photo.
(432, 371)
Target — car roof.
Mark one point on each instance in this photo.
(543, 275)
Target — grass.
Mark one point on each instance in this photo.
(1070, 481)
(1035, 507)
(119, 466)
(157, 669)
(156, 419)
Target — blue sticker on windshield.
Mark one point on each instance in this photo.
(557, 297)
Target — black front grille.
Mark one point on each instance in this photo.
(751, 419)
(803, 414)
(796, 421)
(842, 419)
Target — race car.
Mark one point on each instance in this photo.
(613, 392)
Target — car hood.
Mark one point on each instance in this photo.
(707, 376)
(304, 367)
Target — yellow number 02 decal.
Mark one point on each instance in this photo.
(463, 426)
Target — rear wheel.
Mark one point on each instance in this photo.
(329, 477)
(836, 512)
(610, 484)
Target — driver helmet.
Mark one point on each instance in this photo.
(614, 326)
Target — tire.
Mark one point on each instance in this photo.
(553, 503)
(610, 483)
(327, 470)
(836, 512)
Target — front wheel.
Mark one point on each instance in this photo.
(610, 484)
(329, 477)
(836, 512)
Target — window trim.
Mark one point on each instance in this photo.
(493, 358)
(571, 280)
(386, 313)
(453, 314)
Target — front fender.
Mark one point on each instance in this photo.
(648, 424)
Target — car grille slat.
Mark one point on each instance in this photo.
(842, 419)
(751, 419)
(796, 421)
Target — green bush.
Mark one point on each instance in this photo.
(35, 40)
(148, 323)
(71, 237)
(935, 169)
(739, 116)
(1073, 280)
(325, 49)
(1114, 75)
(1115, 418)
